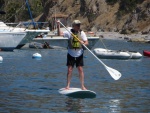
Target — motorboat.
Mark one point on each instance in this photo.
(10, 38)
(61, 41)
(56, 38)
(146, 53)
(133, 54)
(110, 54)
(31, 33)
(1, 59)
(113, 54)
(26, 37)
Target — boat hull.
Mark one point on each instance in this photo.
(146, 53)
(30, 35)
(61, 41)
(109, 54)
(10, 40)
(134, 54)
(112, 54)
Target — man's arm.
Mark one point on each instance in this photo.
(85, 42)
(85, 39)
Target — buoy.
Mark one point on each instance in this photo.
(36, 55)
(1, 58)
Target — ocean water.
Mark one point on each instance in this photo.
(31, 85)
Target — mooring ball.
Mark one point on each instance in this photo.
(1, 58)
(36, 55)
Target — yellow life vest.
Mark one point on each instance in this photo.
(73, 43)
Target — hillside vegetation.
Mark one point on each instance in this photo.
(125, 16)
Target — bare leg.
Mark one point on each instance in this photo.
(69, 75)
(81, 75)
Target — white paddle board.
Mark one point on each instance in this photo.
(77, 93)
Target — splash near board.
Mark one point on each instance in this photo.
(77, 93)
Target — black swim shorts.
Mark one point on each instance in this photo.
(75, 60)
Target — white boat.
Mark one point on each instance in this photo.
(61, 41)
(10, 39)
(1, 59)
(30, 33)
(133, 54)
(112, 54)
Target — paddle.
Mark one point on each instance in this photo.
(114, 73)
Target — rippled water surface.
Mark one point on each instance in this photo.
(31, 86)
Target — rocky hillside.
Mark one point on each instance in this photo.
(105, 15)
(125, 16)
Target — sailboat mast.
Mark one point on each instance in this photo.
(27, 4)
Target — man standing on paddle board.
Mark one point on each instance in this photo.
(75, 52)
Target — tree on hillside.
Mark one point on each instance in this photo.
(15, 12)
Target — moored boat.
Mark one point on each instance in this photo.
(146, 53)
(133, 54)
(1, 59)
(31, 33)
(10, 39)
(110, 54)
(61, 41)
(113, 54)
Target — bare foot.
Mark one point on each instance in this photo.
(83, 88)
(67, 88)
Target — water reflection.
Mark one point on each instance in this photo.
(80, 106)
(37, 58)
(114, 105)
(75, 105)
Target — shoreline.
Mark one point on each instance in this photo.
(129, 37)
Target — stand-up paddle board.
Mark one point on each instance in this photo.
(77, 93)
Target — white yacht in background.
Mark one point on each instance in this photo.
(56, 41)
(10, 38)
(30, 33)
(7, 38)
(62, 42)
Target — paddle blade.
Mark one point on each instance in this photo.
(114, 73)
